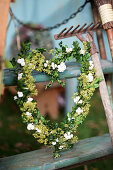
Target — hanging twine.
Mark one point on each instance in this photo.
(106, 13)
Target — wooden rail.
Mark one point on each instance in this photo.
(90, 149)
(73, 70)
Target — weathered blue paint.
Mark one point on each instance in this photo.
(72, 71)
(42, 159)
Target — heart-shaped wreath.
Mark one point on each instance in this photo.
(60, 135)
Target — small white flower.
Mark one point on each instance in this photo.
(91, 65)
(15, 97)
(68, 50)
(57, 140)
(71, 135)
(29, 114)
(26, 88)
(76, 99)
(61, 67)
(20, 94)
(82, 51)
(61, 147)
(30, 126)
(20, 76)
(90, 62)
(45, 64)
(80, 102)
(21, 61)
(53, 143)
(38, 130)
(47, 61)
(30, 99)
(89, 77)
(79, 111)
(23, 64)
(53, 65)
(69, 118)
(68, 135)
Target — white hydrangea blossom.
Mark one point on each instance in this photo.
(38, 130)
(79, 111)
(30, 126)
(61, 147)
(89, 77)
(29, 114)
(68, 50)
(20, 94)
(61, 67)
(68, 135)
(53, 143)
(30, 99)
(21, 61)
(15, 97)
(91, 65)
(76, 99)
(53, 65)
(82, 51)
(20, 76)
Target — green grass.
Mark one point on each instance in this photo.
(15, 139)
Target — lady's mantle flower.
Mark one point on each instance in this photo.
(82, 51)
(91, 65)
(89, 77)
(29, 114)
(68, 50)
(21, 61)
(76, 99)
(61, 67)
(15, 97)
(30, 99)
(68, 135)
(20, 94)
(53, 143)
(38, 130)
(30, 126)
(20, 76)
(79, 111)
(53, 65)
(61, 147)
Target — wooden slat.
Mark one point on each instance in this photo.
(4, 11)
(84, 151)
(73, 70)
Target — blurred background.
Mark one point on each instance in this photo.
(14, 137)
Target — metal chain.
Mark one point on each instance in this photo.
(80, 9)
